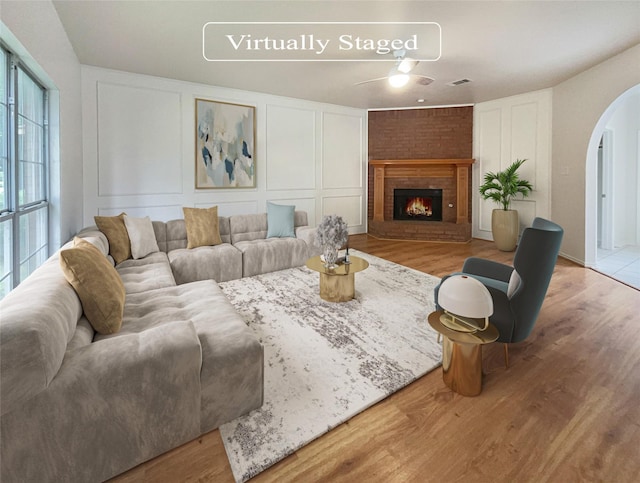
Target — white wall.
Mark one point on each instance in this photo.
(580, 113)
(33, 30)
(625, 126)
(139, 151)
(504, 130)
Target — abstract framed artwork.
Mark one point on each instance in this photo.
(225, 145)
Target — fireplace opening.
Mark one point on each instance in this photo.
(417, 204)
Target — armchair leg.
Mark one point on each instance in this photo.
(506, 356)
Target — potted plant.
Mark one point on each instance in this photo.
(501, 187)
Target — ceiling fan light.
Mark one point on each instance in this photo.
(406, 65)
(398, 79)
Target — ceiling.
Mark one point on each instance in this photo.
(504, 48)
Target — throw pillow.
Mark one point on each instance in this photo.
(97, 284)
(202, 226)
(280, 221)
(142, 236)
(514, 283)
(116, 232)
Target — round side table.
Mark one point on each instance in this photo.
(337, 284)
(462, 355)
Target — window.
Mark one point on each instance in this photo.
(24, 206)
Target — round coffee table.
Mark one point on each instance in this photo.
(462, 355)
(337, 284)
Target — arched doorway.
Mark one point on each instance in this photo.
(612, 226)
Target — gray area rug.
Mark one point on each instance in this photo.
(326, 362)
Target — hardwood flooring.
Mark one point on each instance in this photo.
(566, 410)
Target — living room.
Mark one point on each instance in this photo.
(125, 140)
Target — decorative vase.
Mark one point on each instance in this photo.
(330, 253)
(505, 228)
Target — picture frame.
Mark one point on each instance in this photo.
(225, 145)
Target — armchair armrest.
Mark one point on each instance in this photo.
(487, 268)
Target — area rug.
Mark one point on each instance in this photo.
(326, 362)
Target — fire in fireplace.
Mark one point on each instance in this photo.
(417, 204)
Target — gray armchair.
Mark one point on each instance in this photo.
(518, 291)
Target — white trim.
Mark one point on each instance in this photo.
(417, 107)
(638, 194)
(607, 221)
(591, 179)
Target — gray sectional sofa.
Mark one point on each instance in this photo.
(77, 405)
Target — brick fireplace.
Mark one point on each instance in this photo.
(452, 176)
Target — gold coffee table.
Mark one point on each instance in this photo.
(337, 284)
(462, 355)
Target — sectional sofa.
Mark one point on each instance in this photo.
(79, 405)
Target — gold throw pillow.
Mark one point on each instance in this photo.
(202, 226)
(97, 284)
(115, 230)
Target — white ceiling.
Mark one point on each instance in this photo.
(505, 48)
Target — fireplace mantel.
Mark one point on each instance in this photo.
(422, 168)
(421, 162)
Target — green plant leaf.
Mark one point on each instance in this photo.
(502, 186)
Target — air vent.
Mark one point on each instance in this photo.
(459, 82)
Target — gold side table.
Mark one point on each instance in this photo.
(462, 355)
(337, 284)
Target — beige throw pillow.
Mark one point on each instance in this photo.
(97, 284)
(142, 236)
(202, 226)
(115, 230)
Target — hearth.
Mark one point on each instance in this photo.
(417, 204)
(452, 176)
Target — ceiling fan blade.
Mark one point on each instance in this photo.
(370, 80)
(407, 64)
(416, 78)
(423, 80)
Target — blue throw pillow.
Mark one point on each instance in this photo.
(280, 221)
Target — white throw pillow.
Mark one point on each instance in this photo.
(514, 283)
(142, 236)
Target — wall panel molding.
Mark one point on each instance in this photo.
(517, 127)
(291, 148)
(133, 165)
(342, 151)
(139, 140)
(350, 207)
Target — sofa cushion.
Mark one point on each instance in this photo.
(280, 221)
(148, 273)
(300, 219)
(34, 336)
(308, 234)
(232, 357)
(254, 226)
(116, 232)
(202, 226)
(95, 237)
(142, 236)
(271, 254)
(220, 263)
(248, 227)
(97, 284)
(112, 405)
(83, 336)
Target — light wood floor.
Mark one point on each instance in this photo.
(566, 410)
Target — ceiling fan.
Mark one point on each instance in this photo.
(399, 75)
